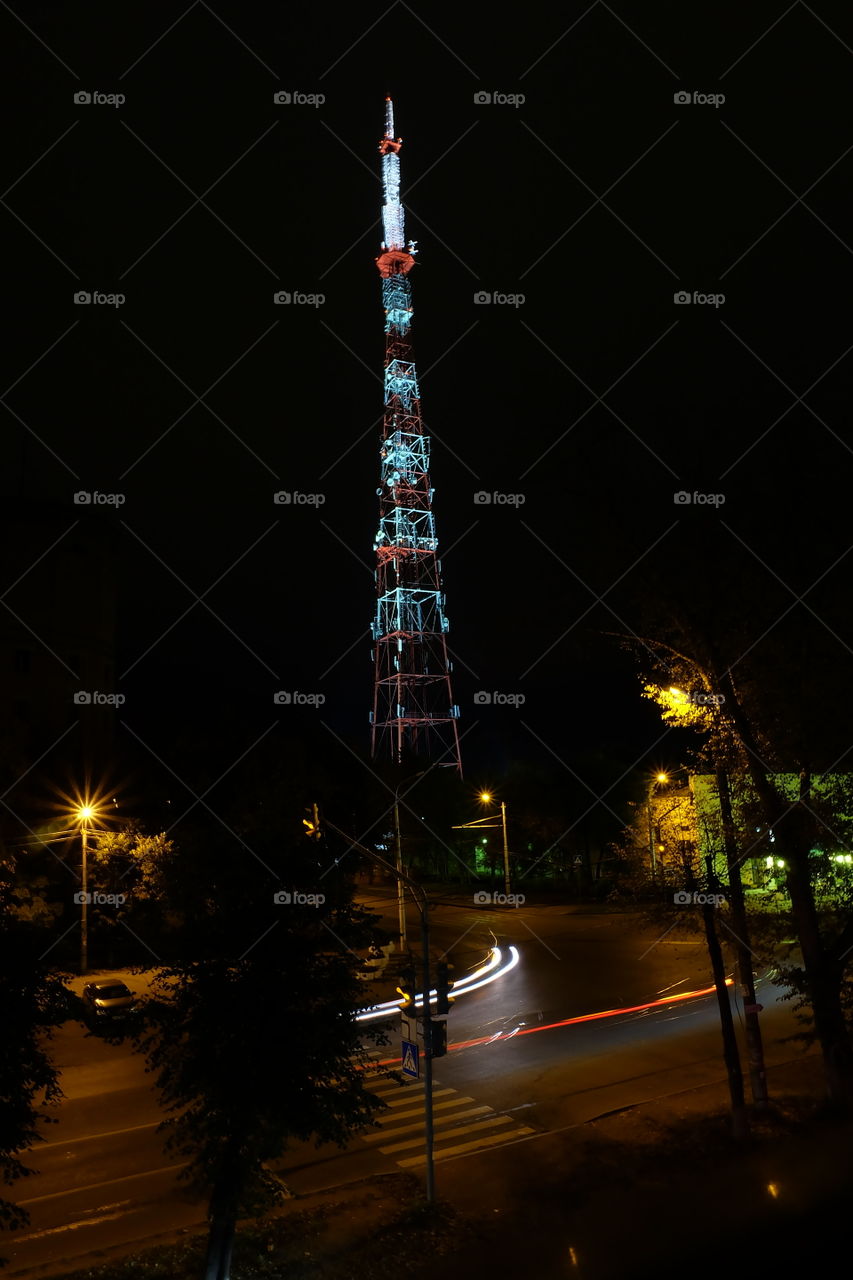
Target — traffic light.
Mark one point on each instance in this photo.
(438, 1036)
(407, 986)
(312, 823)
(443, 986)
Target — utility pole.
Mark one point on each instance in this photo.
(486, 824)
(401, 888)
(506, 851)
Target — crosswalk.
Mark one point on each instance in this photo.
(460, 1124)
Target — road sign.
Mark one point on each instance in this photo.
(410, 1063)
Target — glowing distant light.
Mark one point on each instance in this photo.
(485, 796)
(573, 1257)
(662, 777)
(768, 861)
(780, 862)
(773, 1188)
(85, 812)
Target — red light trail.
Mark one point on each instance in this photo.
(661, 1002)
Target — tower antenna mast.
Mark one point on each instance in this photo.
(413, 710)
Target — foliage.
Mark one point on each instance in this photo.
(251, 1034)
(32, 1002)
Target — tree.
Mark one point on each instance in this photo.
(688, 653)
(252, 1035)
(32, 1002)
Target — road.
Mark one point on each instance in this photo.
(510, 1076)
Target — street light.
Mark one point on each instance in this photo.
(658, 779)
(486, 797)
(84, 814)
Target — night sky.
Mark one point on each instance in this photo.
(597, 398)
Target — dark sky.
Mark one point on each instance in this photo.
(597, 199)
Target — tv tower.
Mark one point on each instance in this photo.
(413, 710)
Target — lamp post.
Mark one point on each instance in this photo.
(486, 796)
(659, 778)
(84, 813)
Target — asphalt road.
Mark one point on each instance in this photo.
(103, 1178)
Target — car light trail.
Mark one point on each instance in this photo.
(487, 973)
(660, 1003)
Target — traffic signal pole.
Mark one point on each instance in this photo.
(428, 1118)
(422, 904)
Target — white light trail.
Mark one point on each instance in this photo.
(493, 969)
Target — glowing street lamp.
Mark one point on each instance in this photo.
(486, 797)
(658, 780)
(84, 815)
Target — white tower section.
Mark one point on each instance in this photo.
(392, 211)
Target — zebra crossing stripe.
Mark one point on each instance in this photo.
(405, 1102)
(477, 1127)
(412, 1161)
(449, 1119)
(439, 1106)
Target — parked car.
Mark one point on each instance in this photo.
(108, 1000)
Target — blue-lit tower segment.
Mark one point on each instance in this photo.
(413, 709)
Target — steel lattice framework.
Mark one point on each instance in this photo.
(413, 709)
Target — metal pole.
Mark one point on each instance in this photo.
(652, 852)
(84, 932)
(428, 1129)
(506, 851)
(422, 904)
(401, 888)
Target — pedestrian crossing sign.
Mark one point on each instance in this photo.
(410, 1065)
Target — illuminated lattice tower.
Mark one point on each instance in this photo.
(413, 710)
